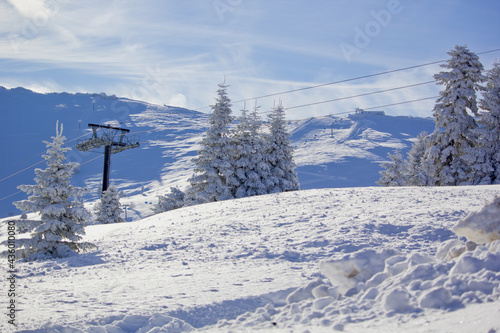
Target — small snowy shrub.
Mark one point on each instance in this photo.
(170, 201)
(394, 171)
(109, 208)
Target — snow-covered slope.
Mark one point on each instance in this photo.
(168, 137)
(345, 152)
(330, 151)
(353, 259)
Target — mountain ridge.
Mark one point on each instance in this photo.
(330, 151)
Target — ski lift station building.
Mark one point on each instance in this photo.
(361, 112)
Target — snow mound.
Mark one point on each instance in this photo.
(481, 227)
(372, 284)
(142, 324)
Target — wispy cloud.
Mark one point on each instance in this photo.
(173, 52)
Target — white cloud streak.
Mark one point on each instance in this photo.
(173, 52)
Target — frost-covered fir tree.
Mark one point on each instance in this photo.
(453, 113)
(109, 209)
(213, 178)
(251, 169)
(279, 154)
(416, 173)
(487, 153)
(394, 171)
(170, 201)
(59, 231)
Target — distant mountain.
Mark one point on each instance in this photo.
(330, 151)
(346, 152)
(168, 138)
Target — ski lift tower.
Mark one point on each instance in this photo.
(114, 140)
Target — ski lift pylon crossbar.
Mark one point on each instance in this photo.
(110, 127)
(105, 135)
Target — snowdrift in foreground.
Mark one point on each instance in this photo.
(483, 226)
(372, 284)
(381, 283)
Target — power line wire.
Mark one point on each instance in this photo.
(95, 158)
(10, 195)
(360, 95)
(400, 103)
(16, 173)
(348, 80)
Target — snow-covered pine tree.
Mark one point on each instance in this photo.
(250, 166)
(416, 173)
(455, 127)
(262, 166)
(109, 209)
(394, 171)
(60, 230)
(170, 201)
(279, 154)
(487, 154)
(213, 178)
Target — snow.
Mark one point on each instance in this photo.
(329, 258)
(483, 226)
(352, 259)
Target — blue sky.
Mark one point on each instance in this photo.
(176, 52)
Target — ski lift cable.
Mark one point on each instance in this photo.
(18, 172)
(33, 165)
(40, 154)
(349, 79)
(361, 95)
(400, 103)
(11, 195)
(91, 160)
(369, 108)
(81, 136)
